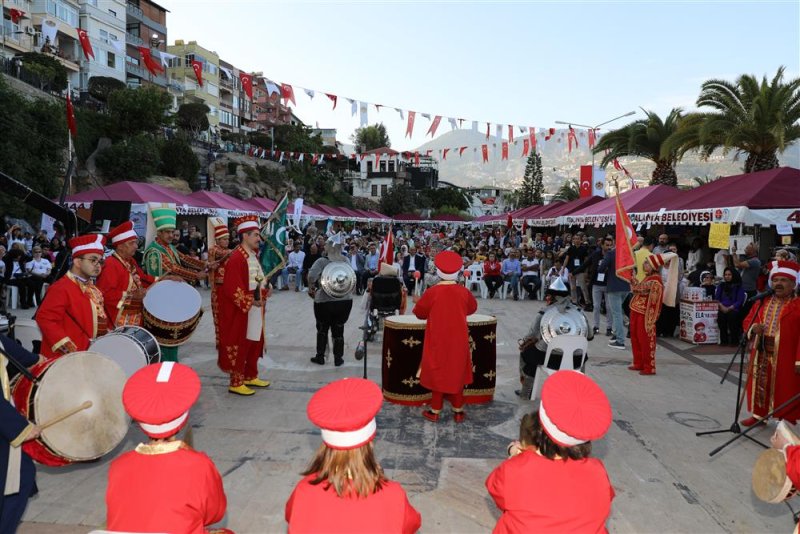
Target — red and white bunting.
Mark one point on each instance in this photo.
(434, 125)
(410, 126)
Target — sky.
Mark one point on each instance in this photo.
(527, 63)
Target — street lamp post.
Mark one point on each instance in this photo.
(597, 127)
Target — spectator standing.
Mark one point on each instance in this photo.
(573, 261)
(730, 296)
(617, 290)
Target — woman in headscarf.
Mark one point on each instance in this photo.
(730, 295)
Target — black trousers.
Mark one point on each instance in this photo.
(730, 327)
(667, 321)
(493, 282)
(331, 316)
(531, 284)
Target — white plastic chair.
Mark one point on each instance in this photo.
(475, 279)
(568, 345)
(12, 297)
(506, 287)
(26, 332)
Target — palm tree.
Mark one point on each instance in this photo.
(644, 138)
(757, 119)
(569, 190)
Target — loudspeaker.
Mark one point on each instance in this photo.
(114, 211)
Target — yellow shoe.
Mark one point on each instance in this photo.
(241, 390)
(257, 382)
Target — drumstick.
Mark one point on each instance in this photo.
(68, 413)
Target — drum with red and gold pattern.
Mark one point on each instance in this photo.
(403, 339)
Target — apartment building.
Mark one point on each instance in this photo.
(180, 72)
(236, 110)
(104, 22)
(145, 25)
(17, 37)
(269, 108)
(56, 24)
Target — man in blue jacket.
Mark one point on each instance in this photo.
(616, 291)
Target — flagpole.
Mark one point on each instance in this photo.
(69, 133)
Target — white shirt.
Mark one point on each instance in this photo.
(296, 259)
(41, 267)
(721, 261)
(530, 263)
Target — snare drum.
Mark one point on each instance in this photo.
(65, 383)
(172, 311)
(130, 346)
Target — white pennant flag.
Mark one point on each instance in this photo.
(165, 58)
(474, 126)
(400, 111)
(272, 87)
(364, 110)
(353, 107)
(310, 93)
(426, 115)
(523, 129)
(301, 157)
(452, 123)
(498, 131)
(120, 47)
(227, 72)
(321, 159)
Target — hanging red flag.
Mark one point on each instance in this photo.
(72, 125)
(526, 147)
(592, 137)
(532, 137)
(524, 225)
(333, 98)
(488, 127)
(485, 152)
(410, 125)
(549, 134)
(377, 166)
(510, 133)
(387, 249)
(572, 138)
(620, 167)
(625, 240)
(416, 159)
(197, 67)
(504, 152)
(85, 44)
(147, 58)
(586, 181)
(247, 84)
(444, 153)
(434, 125)
(461, 151)
(287, 93)
(16, 15)
(509, 222)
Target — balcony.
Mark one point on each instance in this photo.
(133, 40)
(134, 11)
(135, 70)
(136, 14)
(103, 16)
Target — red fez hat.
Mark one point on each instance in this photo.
(159, 396)
(246, 223)
(87, 244)
(122, 234)
(448, 264)
(788, 269)
(345, 412)
(574, 409)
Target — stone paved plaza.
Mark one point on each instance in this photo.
(663, 476)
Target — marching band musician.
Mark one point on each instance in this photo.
(218, 255)
(122, 282)
(162, 258)
(163, 485)
(72, 313)
(242, 300)
(17, 472)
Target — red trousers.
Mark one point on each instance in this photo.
(437, 400)
(246, 365)
(643, 344)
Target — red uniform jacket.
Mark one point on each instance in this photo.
(793, 464)
(164, 488)
(115, 281)
(536, 494)
(313, 509)
(66, 316)
(446, 358)
(235, 300)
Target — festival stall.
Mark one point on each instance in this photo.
(549, 217)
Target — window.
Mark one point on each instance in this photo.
(374, 190)
(64, 12)
(391, 165)
(111, 60)
(212, 89)
(384, 189)
(235, 102)
(133, 29)
(174, 62)
(132, 60)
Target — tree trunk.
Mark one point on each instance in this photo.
(761, 162)
(664, 174)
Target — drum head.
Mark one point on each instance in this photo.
(478, 319)
(172, 302)
(770, 483)
(126, 351)
(404, 321)
(70, 381)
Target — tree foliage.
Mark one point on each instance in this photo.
(437, 199)
(569, 190)
(192, 117)
(101, 87)
(370, 138)
(398, 199)
(178, 160)
(138, 111)
(51, 72)
(645, 138)
(759, 120)
(133, 159)
(531, 192)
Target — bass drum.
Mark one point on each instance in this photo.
(130, 346)
(172, 311)
(65, 383)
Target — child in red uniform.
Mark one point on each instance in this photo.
(164, 485)
(344, 489)
(570, 491)
(446, 361)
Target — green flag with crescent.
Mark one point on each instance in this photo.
(273, 233)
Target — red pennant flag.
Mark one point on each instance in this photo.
(147, 58)
(444, 153)
(287, 93)
(434, 125)
(572, 138)
(551, 133)
(410, 125)
(416, 159)
(620, 167)
(524, 225)
(510, 133)
(592, 137)
(526, 147)
(377, 167)
(509, 222)
(16, 15)
(197, 67)
(461, 151)
(625, 239)
(504, 153)
(485, 152)
(85, 44)
(586, 181)
(532, 137)
(488, 127)
(387, 249)
(247, 84)
(333, 98)
(428, 152)
(71, 123)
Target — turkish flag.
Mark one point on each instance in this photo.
(247, 84)
(504, 153)
(509, 222)
(434, 125)
(586, 181)
(85, 44)
(71, 123)
(532, 134)
(592, 137)
(16, 15)
(387, 249)
(625, 239)
(488, 128)
(571, 137)
(147, 59)
(416, 159)
(526, 147)
(333, 98)
(287, 93)
(410, 125)
(550, 134)
(444, 153)
(461, 151)
(485, 152)
(197, 67)
(510, 133)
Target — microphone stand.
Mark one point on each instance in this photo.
(735, 428)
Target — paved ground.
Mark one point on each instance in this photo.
(665, 480)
